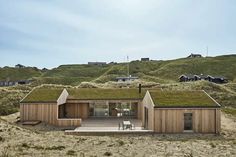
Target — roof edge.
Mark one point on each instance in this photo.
(62, 97)
(173, 107)
(211, 98)
(104, 99)
(33, 102)
(22, 100)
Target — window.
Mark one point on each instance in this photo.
(188, 121)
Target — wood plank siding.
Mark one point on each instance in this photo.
(80, 110)
(45, 112)
(172, 120)
(149, 105)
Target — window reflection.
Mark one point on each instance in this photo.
(113, 109)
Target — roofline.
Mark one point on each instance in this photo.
(33, 102)
(182, 75)
(21, 101)
(103, 99)
(211, 98)
(148, 94)
(177, 107)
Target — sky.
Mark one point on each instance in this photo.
(49, 33)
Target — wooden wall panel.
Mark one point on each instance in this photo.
(45, 113)
(80, 110)
(148, 103)
(42, 112)
(172, 120)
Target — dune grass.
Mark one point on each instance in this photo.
(43, 95)
(99, 93)
(181, 98)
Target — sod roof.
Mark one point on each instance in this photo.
(43, 95)
(181, 99)
(102, 94)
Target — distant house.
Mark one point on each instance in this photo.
(97, 63)
(194, 55)
(190, 77)
(13, 83)
(44, 69)
(8, 83)
(186, 78)
(144, 59)
(126, 79)
(217, 79)
(19, 66)
(200, 77)
(22, 82)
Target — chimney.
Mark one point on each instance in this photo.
(139, 88)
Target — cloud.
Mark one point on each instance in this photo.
(81, 30)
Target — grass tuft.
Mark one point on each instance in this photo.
(71, 152)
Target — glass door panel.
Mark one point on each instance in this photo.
(101, 110)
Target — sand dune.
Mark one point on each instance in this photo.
(43, 140)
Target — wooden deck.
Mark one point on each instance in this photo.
(104, 126)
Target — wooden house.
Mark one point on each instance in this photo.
(200, 77)
(217, 79)
(126, 79)
(145, 59)
(187, 77)
(192, 55)
(158, 110)
(97, 63)
(13, 83)
(19, 66)
(190, 77)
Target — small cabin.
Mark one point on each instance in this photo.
(200, 77)
(145, 59)
(186, 78)
(97, 63)
(19, 66)
(126, 79)
(217, 79)
(192, 55)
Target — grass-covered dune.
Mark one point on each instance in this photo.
(10, 73)
(10, 98)
(155, 71)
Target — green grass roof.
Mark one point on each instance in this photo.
(43, 95)
(98, 93)
(181, 98)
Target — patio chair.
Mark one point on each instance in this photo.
(132, 126)
(120, 125)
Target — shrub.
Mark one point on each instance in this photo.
(108, 154)
(5, 153)
(56, 148)
(25, 145)
(121, 143)
(212, 145)
(2, 139)
(71, 152)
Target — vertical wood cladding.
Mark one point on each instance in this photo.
(45, 112)
(172, 120)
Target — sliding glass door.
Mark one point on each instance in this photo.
(101, 110)
(113, 109)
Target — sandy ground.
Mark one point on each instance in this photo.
(16, 140)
